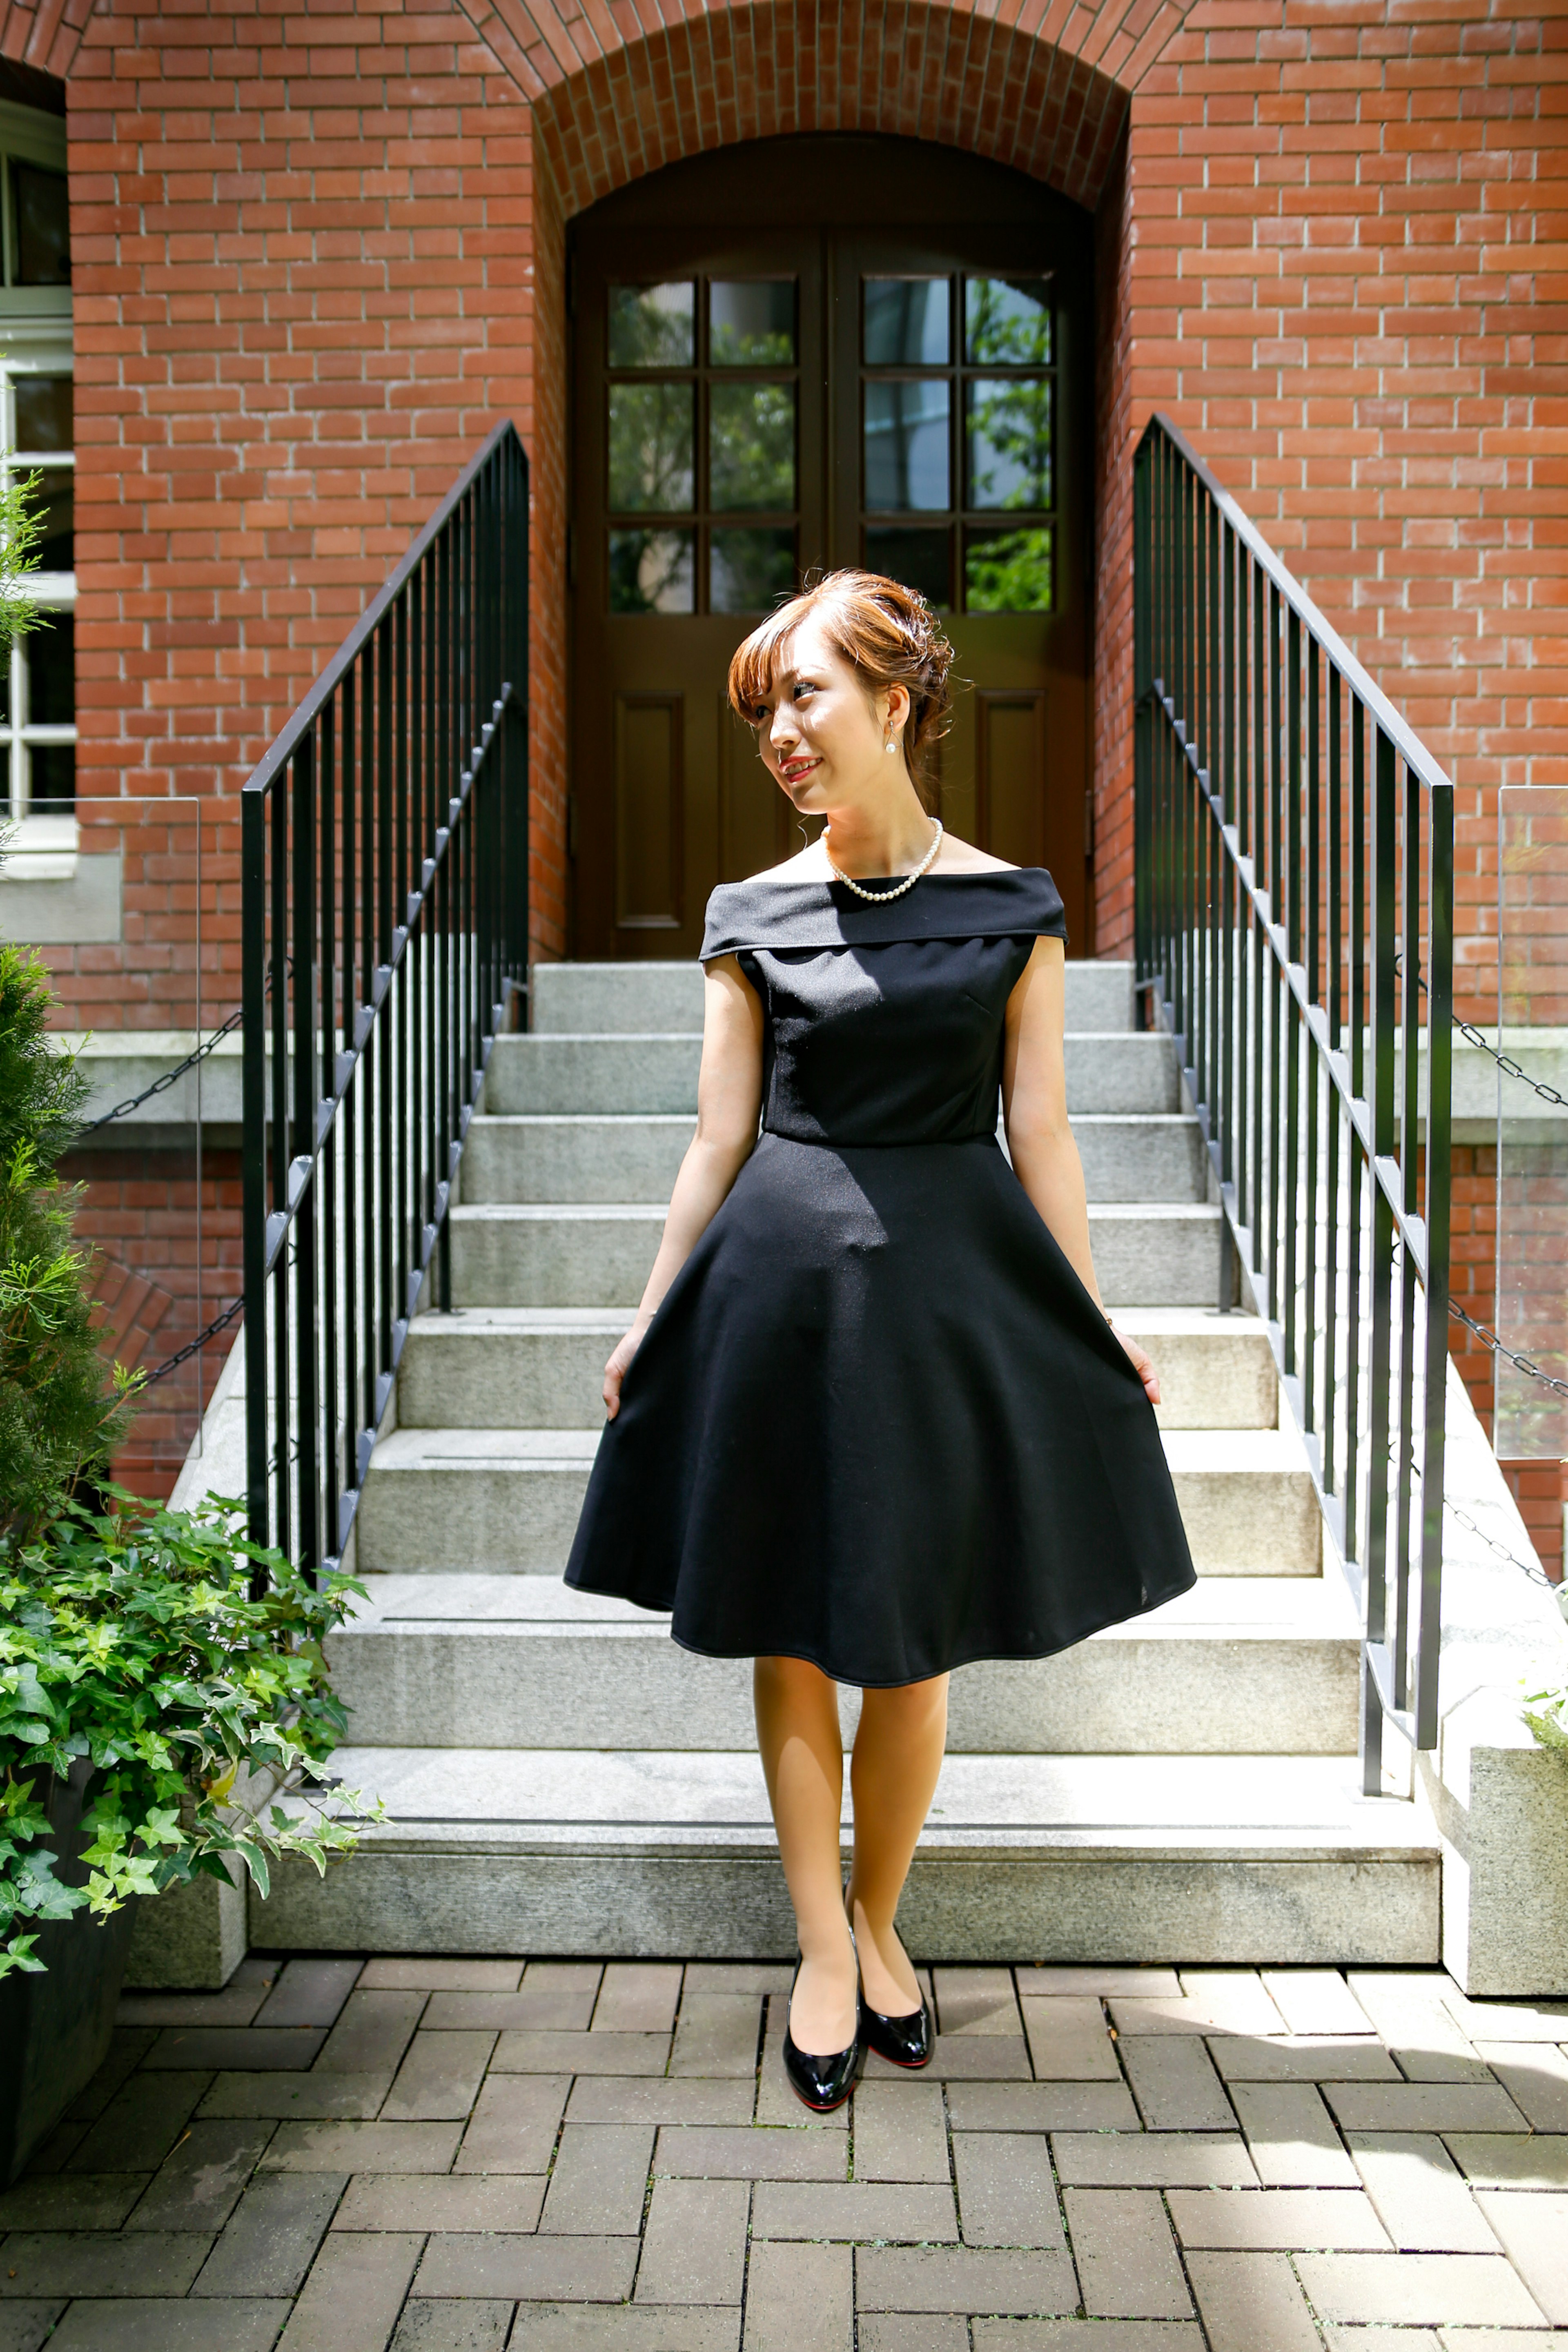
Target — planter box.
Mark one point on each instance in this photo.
(56, 2029)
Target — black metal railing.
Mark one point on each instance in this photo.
(1294, 892)
(384, 908)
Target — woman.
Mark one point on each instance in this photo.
(872, 1421)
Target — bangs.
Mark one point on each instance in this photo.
(756, 662)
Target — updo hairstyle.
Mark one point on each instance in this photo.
(887, 634)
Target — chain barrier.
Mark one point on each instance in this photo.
(1490, 1340)
(170, 1077)
(231, 1314)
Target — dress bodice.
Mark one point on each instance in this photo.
(884, 1025)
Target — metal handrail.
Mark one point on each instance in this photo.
(1294, 916)
(383, 849)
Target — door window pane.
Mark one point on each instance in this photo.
(907, 446)
(1009, 441)
(51, 672)
(905, 322)
(53, 502)
(652, 571)
(1009, 571)
(52, 785)
(43, 226)
(43, 414)
(749, 571)
(650, 448)
(1007, 321)
(751, 322)
(751, 446)
(921, 560)
(651, 326)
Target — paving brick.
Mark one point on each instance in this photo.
(419, 1975)
(1496, 2339)
(25, 2326)
(440, 2201)
(1153, 2161)
(152, 2324)
(1416, 2290)
(975, 2001)
(717, 2034)
(300, 2095)
(1424, 2107)
(373, 2032)
(1412, 2015)
(310, 1993)
(1535, 2234)
(439, 2077)
(964, 2057)
(1087, 2336)
(237, 2004)
(1070, 2041)
(900, 2132)
(271, 2239)
(1535, 2078)
(580, 2053)
(514, 2124)
(745, 2153)
(775, 2102)
(273, 2050)
(800, 2299)
(907, 2331)
(1496, 2160)
(526, 2269)
(1041, 2106)
(39, 2264)
(127, 2049)
(1506, 2021)
(1292, 2138)
(74, 2200)
(354, 2292)
(1315, 2000)
(918, 2214)
(493, 2011)
(1396, 2339)
(1174, 2084)
(1248, 2301)
(600, 2181)
(638, 1997)
(1127, 2264)
(1302, 2059)
(739, 1976)
(962, 2278)
(1097, 1984)
(363, 2147)
(694, 2245)
(550, 2328)
(1006, 2190)
(1277, 2220)
(198, 2185)
(472, 2325)
(1214, 2002)
(610, 2099)
(1420, 2197)
(140, 2125)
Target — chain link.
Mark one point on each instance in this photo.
(1489, 1340)
(231, 1314)
(170, 1077)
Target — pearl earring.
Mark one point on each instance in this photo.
(889, 746)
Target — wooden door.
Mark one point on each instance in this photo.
(774, 372)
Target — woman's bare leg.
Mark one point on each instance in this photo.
(802, 1759)
(898, 1754)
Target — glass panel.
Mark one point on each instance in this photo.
(1007, 321)
(905, 322)
(749, 571)
(53, 790)
(751, 322)
(1009, 441)
(751, 446)
(1532, 1269)
(921, 560)
(1010, 572)
(650, 448)
(4, 713)
(907, 446)
(55, 503)
(43, 414)
(651, 326)
(43, 226)
(50, 656)
(652, 571)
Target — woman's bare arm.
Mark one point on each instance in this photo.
(1035, 1112)
(729, 1099)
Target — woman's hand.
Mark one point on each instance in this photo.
(616, 1369)
(1135, 1356)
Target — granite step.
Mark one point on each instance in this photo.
(574, 998)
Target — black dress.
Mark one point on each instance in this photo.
(877, 1422)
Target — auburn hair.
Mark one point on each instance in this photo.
(888, 634)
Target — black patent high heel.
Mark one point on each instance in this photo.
(821, 2084)
(904, 2041)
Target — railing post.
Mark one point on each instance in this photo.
(253, 1168)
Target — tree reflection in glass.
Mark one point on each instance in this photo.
(1009, 441)
(750, 570)
(751, 446)
(650, 448)
(751, 322)
(1007, 321)
(1009, 572)
(651, 572)
(652, 326)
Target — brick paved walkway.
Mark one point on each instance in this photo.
(458, 2156)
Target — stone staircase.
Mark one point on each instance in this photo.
(560, 1777)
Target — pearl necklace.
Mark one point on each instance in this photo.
(879, 897)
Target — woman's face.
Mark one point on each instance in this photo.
(821, 735)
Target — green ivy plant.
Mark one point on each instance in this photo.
(1546, 1713)
(175, 1655)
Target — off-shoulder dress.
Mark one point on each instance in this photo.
(877, 1422)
